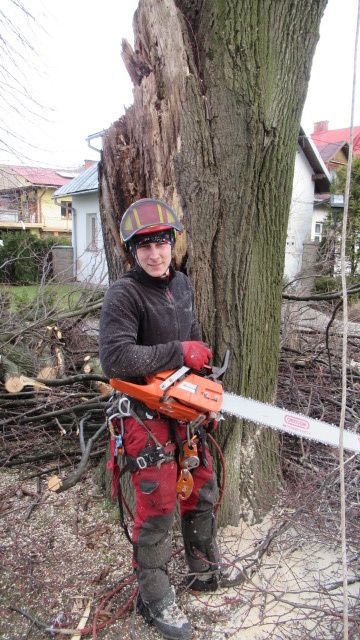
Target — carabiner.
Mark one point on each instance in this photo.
(124, 411)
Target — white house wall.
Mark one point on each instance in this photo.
(90, 261)
(301, 213)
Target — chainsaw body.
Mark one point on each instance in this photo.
(180, 394)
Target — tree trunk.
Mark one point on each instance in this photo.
(218, 96)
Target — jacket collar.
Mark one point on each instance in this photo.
(145, 278)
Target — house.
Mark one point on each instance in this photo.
(308, 209)
(333, 147)
(334, 155)
(26, 200)
(329, 142)
(89, 262)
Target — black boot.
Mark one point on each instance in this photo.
(202, 583)
(227, 576)
(166, 616)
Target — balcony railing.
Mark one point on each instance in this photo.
(8, 215)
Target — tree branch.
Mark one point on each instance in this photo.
(321, 296)
(80, 377)
(72, 479)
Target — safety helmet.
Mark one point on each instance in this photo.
(148, 216)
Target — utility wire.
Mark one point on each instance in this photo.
(344, 350)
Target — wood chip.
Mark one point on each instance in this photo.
(54, 483)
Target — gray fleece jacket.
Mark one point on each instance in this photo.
(143, 322)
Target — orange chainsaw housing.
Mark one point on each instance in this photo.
(185, 400)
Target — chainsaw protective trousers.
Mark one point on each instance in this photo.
(156, 498)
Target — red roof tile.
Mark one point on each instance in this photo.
(40, 176)
(337, 135)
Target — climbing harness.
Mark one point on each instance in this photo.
(190, 452)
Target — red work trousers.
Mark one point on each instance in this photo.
(156, 499)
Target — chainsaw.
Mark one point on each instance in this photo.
(191, 397)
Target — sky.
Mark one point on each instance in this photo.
(63, 78)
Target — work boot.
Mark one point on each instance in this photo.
(202, 582)
(166, 616)
(227, 576)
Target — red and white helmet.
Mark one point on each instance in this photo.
(148, 216)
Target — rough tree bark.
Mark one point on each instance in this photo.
(219, 87)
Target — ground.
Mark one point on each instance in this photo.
(61, 552)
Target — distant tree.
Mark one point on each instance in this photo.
(336, 215)
(20, 29)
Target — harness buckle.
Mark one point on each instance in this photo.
(152, 456)
(141, 462)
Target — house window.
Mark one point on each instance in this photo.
(91, 232)
(318, 232)
(65, 210)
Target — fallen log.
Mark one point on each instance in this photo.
(13, 379)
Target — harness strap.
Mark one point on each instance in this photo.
(151, 456)
(136, 417)
(120, 499)
(174, 434)
(201, 433)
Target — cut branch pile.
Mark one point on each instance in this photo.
(51, 380)
(309, 382)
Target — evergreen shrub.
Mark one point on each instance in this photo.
(25, 258)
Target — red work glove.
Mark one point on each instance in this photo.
(196, 354)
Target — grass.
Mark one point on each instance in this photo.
(59, 297)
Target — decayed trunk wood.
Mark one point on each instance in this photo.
(218, 93)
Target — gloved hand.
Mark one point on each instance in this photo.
(196, 354)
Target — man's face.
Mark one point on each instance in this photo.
(154, 257)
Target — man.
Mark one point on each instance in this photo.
(148, 325)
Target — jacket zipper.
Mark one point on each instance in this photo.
(170, 297)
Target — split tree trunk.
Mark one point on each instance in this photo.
(218, 95)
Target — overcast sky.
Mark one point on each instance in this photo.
(76, 75)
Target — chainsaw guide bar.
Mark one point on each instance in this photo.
(185, 396)
(294, 423)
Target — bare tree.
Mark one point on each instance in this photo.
(20, 29)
